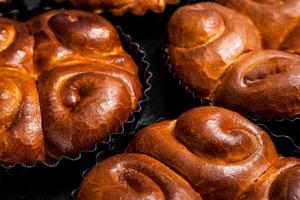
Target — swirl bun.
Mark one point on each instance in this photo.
(247, 82)
(275, 19)
(217, 53)
(16, 45)
(280, 182)
(21, 137)
(204, 39)
(219, 152)
(137, 7)
(134, 176)
(68, 37)
(81, 104)
(64, 89)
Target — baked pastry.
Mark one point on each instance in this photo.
(16, 45)
(21, 136)
(70, 89)
(277, 21)
(137, 7)
(217, 54)
(281, 181)
(204, 40)
(68, 37)
(218, 152)
(268, 80)
(82, 104)
(20, 117)
(134, 176)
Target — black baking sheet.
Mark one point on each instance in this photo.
(167, 100)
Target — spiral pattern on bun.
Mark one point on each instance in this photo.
(219, 152)
(204, 39)
(280, 182)
(263, 83)
(16, 45)
(82, 104)
(217, 53)
(137, 7)
(64, 89)
(275, 19)
(68, 37)
(21, 136)
(134, 176)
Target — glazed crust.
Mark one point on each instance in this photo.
(87, 85)
(204, 39)
(16, 45)
(280, 182)
(275, 19)
(217, 54)
(218, 151)
(137, 7)
(82, 104)
(134, 176)
(263, 84)
(70, 37)
(21, 137)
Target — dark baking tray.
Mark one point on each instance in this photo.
(167, 100)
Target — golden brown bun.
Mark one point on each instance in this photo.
(87, 85)
(134, 177)
(280, 182)
(82, 104)
(275, 19)
(21, 137)
(219, 152)
(68, 37)
(263, 83)
(16, 45)
(119, 7)
(217, 53)
(204, 39)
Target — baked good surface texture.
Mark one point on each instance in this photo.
(223, 55)
(137, 7)
(66, 83)
(278, 21)
(218, 152)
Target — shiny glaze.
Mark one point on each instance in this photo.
(267, 80)
(16, 45)
(119, 7)
(217, 53)
(81, 104)
(68, 37)
(21, 136)
(277, 20)
(279, 182)
(134, 176)
(87, 85)
(204, 39)
(218, 152)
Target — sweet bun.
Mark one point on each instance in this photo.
(137, 7)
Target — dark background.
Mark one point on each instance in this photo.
(167, 100)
